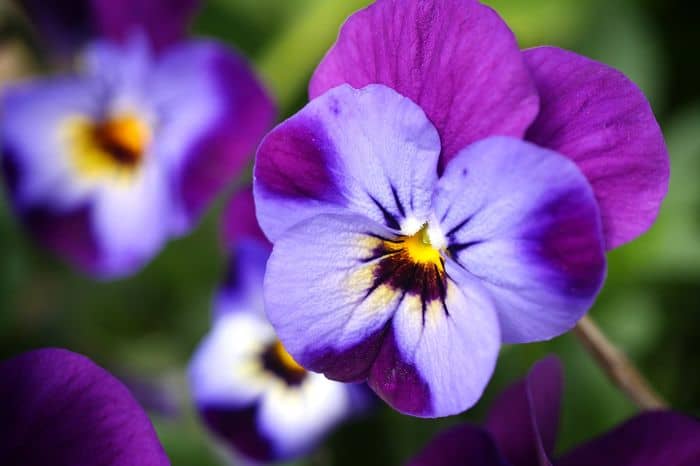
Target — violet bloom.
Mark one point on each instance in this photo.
(522, 427)
(249, 391)
(58, 408)
(68, 25)
(105, 166)
(415, 230)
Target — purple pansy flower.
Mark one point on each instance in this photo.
(415, 230)
(107, 165)
(249, 391)
(522, 426)
(68, 25)
(59, 408)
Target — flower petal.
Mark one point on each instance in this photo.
(596, 116)
(456, 59)
(63, 26)
(460, 445)
(650, 439)
(524, 420)
(524, 221)
(215, 112)
(238, 221)
(437, 358)
(368, 151)
(296, 419)
(242, 288)
(62, 409)
(320, 295)
(164, 21)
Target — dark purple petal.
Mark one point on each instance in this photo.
(216, 112)
(525, 418)
(164, 21)
(596, 116)
(238, 221)
(64, 25)
(650, 439)
(455, 58)
(460, 446)
(59, 408)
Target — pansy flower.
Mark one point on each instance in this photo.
(106, 165)
(443, 193)
(248, 389)
(59, 408)
(65, 26)
(522, 425)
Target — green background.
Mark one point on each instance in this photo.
(148, 325)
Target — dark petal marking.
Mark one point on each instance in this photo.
(349, 365)
(389, 218)
(399, 204)
(398, 382)
(298, 162)
(272, 362)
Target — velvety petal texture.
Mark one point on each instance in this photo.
(458, 446)
(59, 408)
(523, 220)
(596, 116)
(524, 419)
(456, 59)
(326, 158)
(106, 166)
(651, 439)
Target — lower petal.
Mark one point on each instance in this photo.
(437, 360)
(597, 117)
(320, 295)
(524, 221)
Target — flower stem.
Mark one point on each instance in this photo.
(618, 367)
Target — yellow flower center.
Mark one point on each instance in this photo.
(285, 358)
(420, 249)
(111, 148)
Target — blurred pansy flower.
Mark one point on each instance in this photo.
(59, 408)
(443, 193)
(106, 165)
(522, 427)
(250, 392)
(65, 26)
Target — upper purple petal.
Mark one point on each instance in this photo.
(650, 439)
(59, 408)
(215, 112)
(596, 116)
(164, 21)
(523, 221)
(461, 445)
(456, 59)
(63, 25)
(525, 418)
(369, 151)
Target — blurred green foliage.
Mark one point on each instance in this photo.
(149, 324)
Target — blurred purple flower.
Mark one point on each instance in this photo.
(522, 426)
(415, 230)
(249, 391)
(107, 165)
(58, 408)
(68, 25)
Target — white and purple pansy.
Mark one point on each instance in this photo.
(106, 165)
(59, 408)
(253, 396)
(434, 200)
(521, 430)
